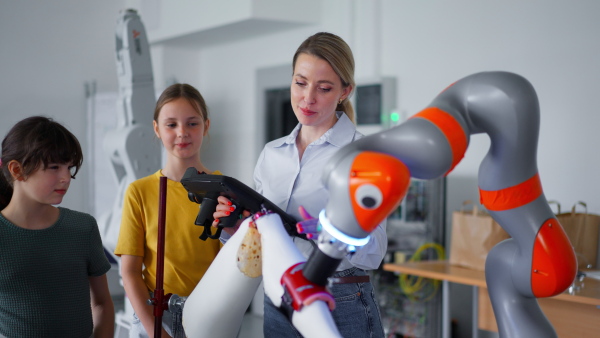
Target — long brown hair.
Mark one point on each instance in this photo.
(36, 142)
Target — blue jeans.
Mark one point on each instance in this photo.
(356, 312)
(137, 329)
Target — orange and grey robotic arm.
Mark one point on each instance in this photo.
(368, 178)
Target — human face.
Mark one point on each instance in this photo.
(315, 92)
(49, 184)
(181, 129)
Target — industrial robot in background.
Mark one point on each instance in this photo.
(368, 179)
(131, 149)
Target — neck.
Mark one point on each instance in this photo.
(309, 134)
(174, 170)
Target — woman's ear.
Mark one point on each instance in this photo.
(347, 91)
(16, 170)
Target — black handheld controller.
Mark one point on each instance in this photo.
(204, 189)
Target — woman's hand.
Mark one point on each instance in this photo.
(224, 209)
(310, 225)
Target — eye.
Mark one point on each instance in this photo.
(298, 83)
(326, 90)
(368, 196)
(170, 125)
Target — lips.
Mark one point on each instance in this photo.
(307, 111)
(61, 191)
(183, 145)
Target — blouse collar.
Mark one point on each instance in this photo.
(340, 134)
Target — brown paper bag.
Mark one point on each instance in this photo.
(474, 234)
(582, 229)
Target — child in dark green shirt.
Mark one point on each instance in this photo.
(52, 263)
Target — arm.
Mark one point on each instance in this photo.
(257, 173)
(103, 310)
(137, 292)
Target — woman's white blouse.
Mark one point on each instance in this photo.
(290, 183)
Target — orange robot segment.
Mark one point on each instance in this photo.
(456, 136)
(512, 197)
(553, 263)
(378, 183)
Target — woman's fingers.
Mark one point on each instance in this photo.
(305, 215)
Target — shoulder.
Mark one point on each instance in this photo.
(277, 143)
(344, 131)
(77, 221)
(276, 147)
(287, 140)
(150, 179)
(358, 135)
(144, 183)
(70, 214)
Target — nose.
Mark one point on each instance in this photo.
(182, 131)
(310, 97)
(65, 174)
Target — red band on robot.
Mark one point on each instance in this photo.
(302, 291)
(451, 129)
(512, 197)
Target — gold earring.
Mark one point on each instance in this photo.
(340, 102)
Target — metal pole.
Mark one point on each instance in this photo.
(160, 261)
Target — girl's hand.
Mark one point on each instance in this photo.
(224, 209)
(310, 225)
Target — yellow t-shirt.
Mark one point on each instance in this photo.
(186, 256)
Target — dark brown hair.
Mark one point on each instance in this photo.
(337, 53)
(36, 142)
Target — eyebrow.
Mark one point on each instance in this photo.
(189, 118)
(321, 81)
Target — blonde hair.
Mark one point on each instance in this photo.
(337, 53)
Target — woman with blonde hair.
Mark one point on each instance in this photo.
(289, 170)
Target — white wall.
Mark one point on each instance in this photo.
(48, 51)
(427, 46)
(551, 43)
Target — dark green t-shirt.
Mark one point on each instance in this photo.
(44, 286)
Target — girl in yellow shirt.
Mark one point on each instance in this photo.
(181, 123)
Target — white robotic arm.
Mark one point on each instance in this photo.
(217, 305)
